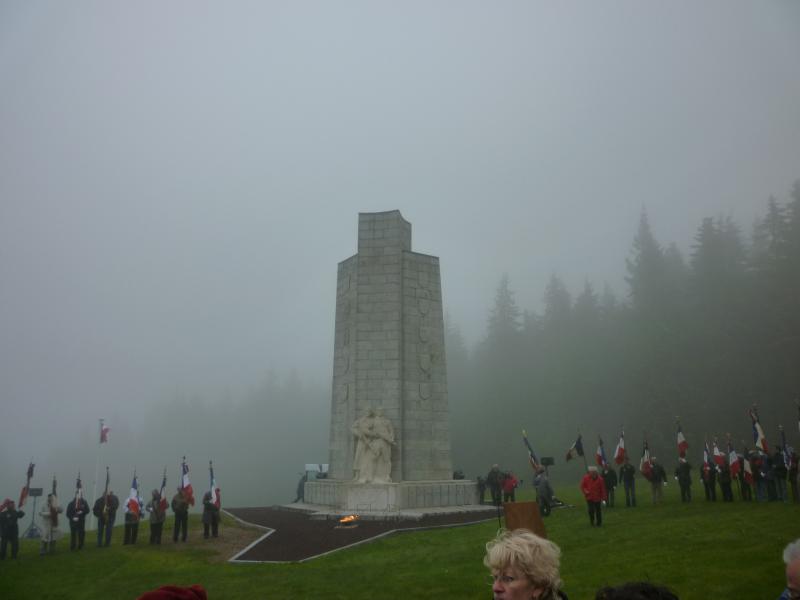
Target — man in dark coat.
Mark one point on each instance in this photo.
(627, 474)
(301, 488)
(180, 506)
(105, 509)
(781, 472)
(133, 515)
(210, 516)
(9, 529)
(610, 479)
(157, 517)
(683, 473)
(76, 515)
(710, 481)
(482, 488)
(494, 479)
(725, 482)
(792, 473)
(658, 479)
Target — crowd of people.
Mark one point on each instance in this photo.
(105, 511)
(758, 477)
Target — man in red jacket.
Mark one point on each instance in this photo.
(594, 490)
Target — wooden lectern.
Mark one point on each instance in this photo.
(524, 515)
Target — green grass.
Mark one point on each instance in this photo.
(703, 551)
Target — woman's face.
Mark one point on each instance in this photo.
(512, 584)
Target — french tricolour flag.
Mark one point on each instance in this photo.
(133, 505)
(619, 453)
(162, 504)
(104, 430)
(719, 457)
(600, 455)
(214, 489)
(758, 434)
(185, 485)
(645, 466)
(683, 445)
(748, 471)
(733, 461)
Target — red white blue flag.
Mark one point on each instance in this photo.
(719, 457)
(134, 503)
(645, 466)
(532, 458)
(215, 499)
(162, 503)
(733, 461)
(78, 490)
(619, 453)
(104, 429)
(683, 445)
(23, 495)
(759, 438)
(576, 449)
(748, 469)
(186, 486)
(600, 454)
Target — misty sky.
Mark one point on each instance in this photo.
(179, 179)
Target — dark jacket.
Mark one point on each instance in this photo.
(494, 479)
(179, 503)
(156, 514)
(627, 473)
(77, 511)
(658, 475)
(210, 511)
(610, 479)
(725, 476)
(9, 523)
(684, 473)
(100, 505)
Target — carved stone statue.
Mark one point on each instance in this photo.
(374, 440)
(363, 463)
(382, 445)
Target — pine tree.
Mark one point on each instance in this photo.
(504, 321)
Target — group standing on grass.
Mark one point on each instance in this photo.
(105, 511)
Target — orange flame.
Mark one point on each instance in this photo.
(348, 519)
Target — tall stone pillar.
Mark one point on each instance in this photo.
(389, 353)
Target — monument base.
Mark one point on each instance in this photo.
(363, 498)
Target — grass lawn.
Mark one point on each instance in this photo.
(702, 550)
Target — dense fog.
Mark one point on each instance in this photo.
(178, 182)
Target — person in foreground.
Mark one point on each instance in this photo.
(523, 566)
(594, 490)
(791, 556)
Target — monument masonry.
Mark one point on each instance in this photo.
(389, 435)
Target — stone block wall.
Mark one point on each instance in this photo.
(389, 351)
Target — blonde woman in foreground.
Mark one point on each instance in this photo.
(523, 566)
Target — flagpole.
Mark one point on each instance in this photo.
(585, 464)
(96, 468)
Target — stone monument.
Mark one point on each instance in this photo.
(389, 435)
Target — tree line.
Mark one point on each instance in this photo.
(702, 337)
